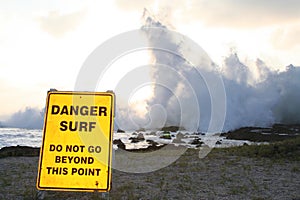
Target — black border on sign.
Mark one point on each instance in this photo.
(110, 141)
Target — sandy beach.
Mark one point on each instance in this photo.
(223, 174)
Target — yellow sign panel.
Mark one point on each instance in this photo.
(77, 142)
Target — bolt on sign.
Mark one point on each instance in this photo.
(77, 142)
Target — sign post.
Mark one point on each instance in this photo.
(77, 142)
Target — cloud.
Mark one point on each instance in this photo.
(133, 5)
(57, 24)
(227, 13)
(286, 38)
(247, 13)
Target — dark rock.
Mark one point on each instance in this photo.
(119, 144)
(152, 143)
(140, 137)
(153, 146)
(166, 135)
(199, 133)
(19, 151)
(225, 134)
(218, 142)
(134, 140)
(258, 134)
(191, 136)
(172, 128)
(197, 142)
(120, 131)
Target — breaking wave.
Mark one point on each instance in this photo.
(254, 96)
(29, 118)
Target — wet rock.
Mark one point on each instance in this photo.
(166, 135)
(218, 142)
(153, 146)
(119, 144)
(134, 140)
(19, 151)
(120, 131)
(277, 132)
(152, 143)
(197, 142)
(140, 137)
(172, 128)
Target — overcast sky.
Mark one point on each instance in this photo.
(43, 43)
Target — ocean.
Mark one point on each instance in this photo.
(33, 138)
(22, 137)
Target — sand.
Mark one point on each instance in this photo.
(220, 175)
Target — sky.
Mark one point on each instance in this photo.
(44, 43)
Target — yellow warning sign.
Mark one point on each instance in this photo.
(77, 142)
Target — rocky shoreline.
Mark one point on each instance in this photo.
(265, 171)
(277, 132)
